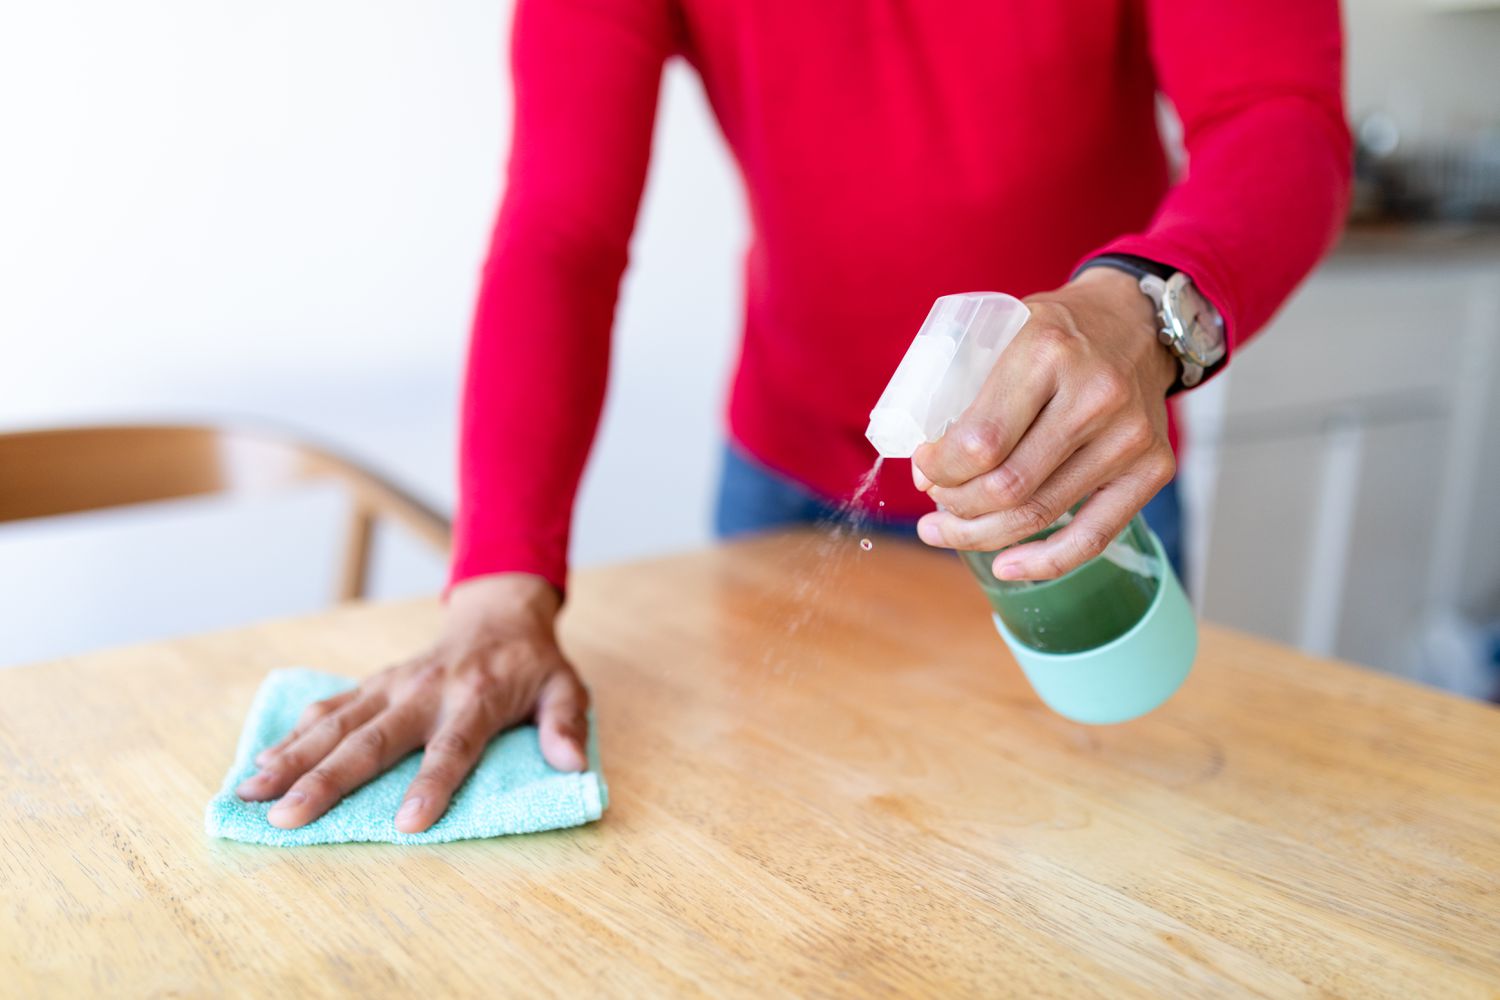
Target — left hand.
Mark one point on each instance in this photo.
(1076, 405)
(495, 664)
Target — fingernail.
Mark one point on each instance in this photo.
(929, 533)
(409, 810)
(918, 480)
(262, 757)
(1010, 571)
(580, 762)
(287, 803)
(255, 782)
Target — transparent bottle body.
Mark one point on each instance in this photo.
(1093, 605)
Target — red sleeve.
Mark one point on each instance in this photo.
(586, 76)
(1258, 85)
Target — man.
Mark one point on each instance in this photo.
(893, 151)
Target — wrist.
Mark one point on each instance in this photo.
(1119, 295)
(503, 598)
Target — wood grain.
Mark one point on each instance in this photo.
(827, 779)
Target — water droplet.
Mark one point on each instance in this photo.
(882, 503)
(866, 544)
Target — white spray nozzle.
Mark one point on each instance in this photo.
(943, 369)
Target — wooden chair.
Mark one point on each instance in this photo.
(44, 473)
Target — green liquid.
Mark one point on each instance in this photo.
(1094, 604)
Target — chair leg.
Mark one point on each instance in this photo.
(355, 570)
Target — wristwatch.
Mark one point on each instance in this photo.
(1191, 328)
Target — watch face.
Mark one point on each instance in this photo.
(1197, 328)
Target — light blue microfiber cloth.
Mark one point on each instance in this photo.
(513, 790)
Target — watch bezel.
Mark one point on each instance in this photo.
(1198, 343)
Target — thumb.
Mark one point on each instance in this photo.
(919, 478)
(562, 721)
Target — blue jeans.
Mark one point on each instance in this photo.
(753, 498)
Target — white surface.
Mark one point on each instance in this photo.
(1355, 520)
(277, 211)
(1325, 563)
(1464, 5)
(1434, 71)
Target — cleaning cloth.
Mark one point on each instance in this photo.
(513, 790)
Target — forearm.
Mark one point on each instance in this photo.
(586, 77)
(1264, 200)
(1257, 85)
(533, 391)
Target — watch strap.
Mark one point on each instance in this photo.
(1136, 267)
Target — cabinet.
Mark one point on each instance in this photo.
(1343, 477)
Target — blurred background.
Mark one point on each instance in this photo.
(275, 213)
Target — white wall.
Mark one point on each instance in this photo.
(1434, 70)
(276, 212)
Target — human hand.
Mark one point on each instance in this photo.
(1076, 405)
(496, 664)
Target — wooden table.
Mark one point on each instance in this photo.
(828, 779)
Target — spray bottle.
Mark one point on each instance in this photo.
(1110, 640)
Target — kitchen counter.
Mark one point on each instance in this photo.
(827, 778)
(1439, 242)
(1342, 472)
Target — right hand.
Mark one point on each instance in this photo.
(496, 665)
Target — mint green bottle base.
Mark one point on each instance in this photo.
(1125, 678)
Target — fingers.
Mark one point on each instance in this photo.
(362, 755)
(1019, 386)
(284, 767)
(995, 530)
(311, 714)
(453, 706)
(1049, 444)
(451, 754)
(562, 722)
(1097, 523)
(1122, 469)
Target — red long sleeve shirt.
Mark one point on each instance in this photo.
(892, 152)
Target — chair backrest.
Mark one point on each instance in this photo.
(44, 473)
(63, 471)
